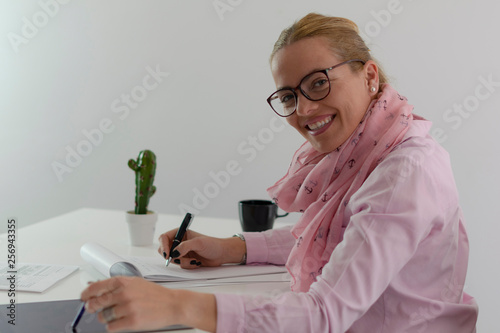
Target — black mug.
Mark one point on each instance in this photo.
(258, 215)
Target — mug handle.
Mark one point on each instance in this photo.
(277, 215)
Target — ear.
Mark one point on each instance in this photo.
(370, 72)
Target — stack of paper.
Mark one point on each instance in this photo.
(33, 277)
(153, 268)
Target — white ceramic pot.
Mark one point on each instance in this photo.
(141, 227)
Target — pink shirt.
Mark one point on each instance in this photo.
(400, 267)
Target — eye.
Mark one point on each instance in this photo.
(320, 82)
(316, 82)
(286, 98)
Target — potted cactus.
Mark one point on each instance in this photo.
(145, 168)
(141, 221)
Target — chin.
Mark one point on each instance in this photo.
(324, 149)
(325, 143)
(330, 143)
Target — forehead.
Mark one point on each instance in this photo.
(290, 64)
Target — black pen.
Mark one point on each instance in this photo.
(79, 315)
(180, 235)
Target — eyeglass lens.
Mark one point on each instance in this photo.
(315, 86)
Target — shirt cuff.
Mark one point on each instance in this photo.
(230, 313)
(256, 244)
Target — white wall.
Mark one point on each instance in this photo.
(62, 79)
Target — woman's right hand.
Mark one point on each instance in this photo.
(197, 250)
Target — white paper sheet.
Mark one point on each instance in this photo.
(33, 277)
(153, 268)
(100, 257)
(255, 279)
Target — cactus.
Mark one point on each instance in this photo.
(144, 168)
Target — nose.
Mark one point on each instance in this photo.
(305, 106)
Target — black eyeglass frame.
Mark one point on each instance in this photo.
(293, 90)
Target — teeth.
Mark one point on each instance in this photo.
(320, 124)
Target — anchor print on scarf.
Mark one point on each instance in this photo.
(404, 120)
(319, 235)
(382, 104)
(312, 184)
(356, 139)
(315, 274)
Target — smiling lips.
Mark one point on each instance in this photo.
(319, 126)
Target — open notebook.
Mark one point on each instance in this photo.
(153, 268)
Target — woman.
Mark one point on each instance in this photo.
(380, 246)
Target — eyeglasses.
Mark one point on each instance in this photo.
(315, 87)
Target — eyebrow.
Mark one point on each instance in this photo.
(312, 71)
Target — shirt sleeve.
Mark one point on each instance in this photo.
(391, 214)
(270, 246)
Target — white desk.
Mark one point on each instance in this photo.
(58, 240)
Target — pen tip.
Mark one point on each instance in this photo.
(168, 262)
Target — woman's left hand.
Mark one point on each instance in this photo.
(131, 303)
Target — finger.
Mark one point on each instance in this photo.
(165, 240)
(190, 263)
(124, 323)
(176, 261)
(96, 304)
(98, 288)
(196, 245)
(117, 312)
(102, 317)
(126, 317)
(100, 295)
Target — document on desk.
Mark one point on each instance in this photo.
(33, 277)
(153, 268)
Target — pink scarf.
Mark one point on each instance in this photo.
(320, 185)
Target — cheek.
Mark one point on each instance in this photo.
(353, 111)
(359, 110)
(292, 121)
(353, 101)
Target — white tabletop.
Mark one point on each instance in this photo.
(58, 240)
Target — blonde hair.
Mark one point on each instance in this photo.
(342, 34)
